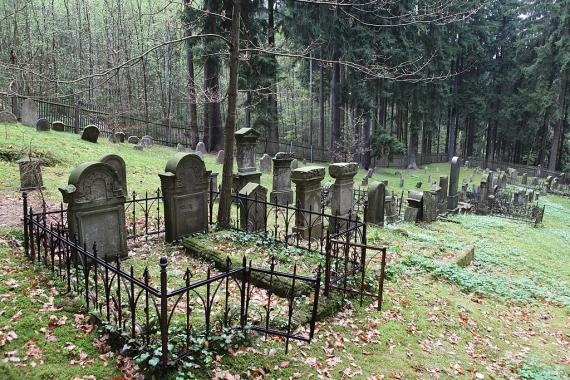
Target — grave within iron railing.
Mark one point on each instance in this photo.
(165, 315)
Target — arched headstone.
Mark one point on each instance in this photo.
(43, 125)
(90, 133)
(58, 126)
(117, 163)
(29, 112)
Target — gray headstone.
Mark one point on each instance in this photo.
(180, 148)
(96, 212)
(58, 126)
(246, 140)
(430, 203)
(294, 164)
(29, 112)
(220, 157)
(30, 173)
(185, 185)
(139, 147)
(7, 117)
(147, 141)
(252, 208)
(452, 198)
(524, 179)
(133, 140)
(120, 137)
(265, 163)
(201, 147)
(118, 164)
(343, 192)
(442, 195)
(376, 198)
(90, 133)
(308, 197)
(43, 125)
(370, 172)
(281, 192)
(418, 185)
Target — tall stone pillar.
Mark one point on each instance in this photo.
(282, 193)
(452, 197)
(308, 197)
(246, 140)
(376, 200)
(342, 192)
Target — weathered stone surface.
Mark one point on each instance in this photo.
(90, 133)
(96, 212)
(281, 192)
(466, 257)
(118, 164)
(246, 140)
(185, 189)
(415, 202)
(213, 186)
(133, 140)
(342, 192)
(453, 197)
(538, 171)
(139, 147)
(308, 197)
(430, 203)
(30, 173)
(534, 181)
(201, 147)
(442, 195)
(220, 157)
(252, 208)
(524, 180)
(120, 137)
(294, 164)
(199, 153)
(43, 125)
(265, 163)
(58, 126)
(147, 141)
(482, 206)
(29, 112)
(7, 117)
(376, 200)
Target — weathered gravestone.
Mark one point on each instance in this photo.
(265, 163)
(538, 171)
(418, 185)
(58, 126)
(342, 194)
(414, 211)
(524, 179)
(30, 173)
(452, 197)
(201, 147)
(246, 140)
(7, 117)
(442, 195)
(376, 200)
(534, 181)
(29, 112)
(391, 209)
(133, 140)
(308, 197)
(430, 203)
(514, 176)
(90, 133)
(118, 164)
(96, 211)
(43, 125)
(294, 164)
(482, 206)
(213, 186)
(139, 147)
(220, 157)
(463, 194)
(252, 207)
(282, 193)
(401, 180)
(120, 136)
(147, 141)
(180, 148)
(185, 189)
(548, 183)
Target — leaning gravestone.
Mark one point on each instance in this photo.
(343, 193)
(220, 157)
(30, 173)
(7, 117)
(265, 163)
(308, 197)
(430, 203)
(414, 211)
(118, 164)
(133, 140)
(58, 126)
(96, 211)
(201, 147)
(253, 207)
(90, 133)
(147, 141)
(185, 188)
(376, 199)
(43, 125)
(281, 192)
(452, 197)
(29, 112)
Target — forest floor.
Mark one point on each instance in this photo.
(507, 315)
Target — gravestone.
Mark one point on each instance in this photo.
(185, 188)
(514, 176)
(133, 140)
(442, 195)
(96, 211)
(534, 181)
(180, 148)
(430, 180)
(246, 141)
(30, 173)
(308, 197)
(538, 171)
(265, 163)
(252, 213)
(281, 192)
(7, 117)
(139, 147)
(120, 136)
(220, 157)
(482, 206)
(113, 139)
(343, 193)
(326, 194)
(294, 164)
(463, 194)
(401, 181)
(548, 183)
(201, 147)
(390, 209)
(147, 141)
(376, 200)
(524, 179)
(414, 210)
(90, 133)
(58, 126)
(43, 125)
(490, 183)
(118, 164)
(29, 113)
(452, 197)
(430, 203)
(370, 172)
(213, 185)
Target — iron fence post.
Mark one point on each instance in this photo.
(25, 206)
(164, 311)
(327, 264)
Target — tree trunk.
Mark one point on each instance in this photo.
(272, 132)
(335, 113)
(412, 148)
(310, 107)
(190, 72)
(321, 134)
(556, 141)
(231, 118)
